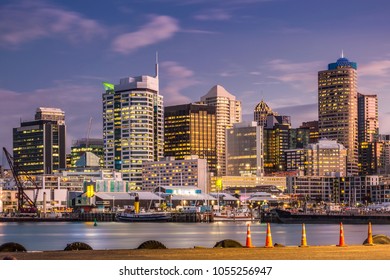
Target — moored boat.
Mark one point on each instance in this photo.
(143, 217)
(233, 218)
(289, 217)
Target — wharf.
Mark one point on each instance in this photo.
(178, 217)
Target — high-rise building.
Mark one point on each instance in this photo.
(276, 141)
(261, 112)
(368, 131)
(228, 112)
(338, 107)
(244, 150)
(39, 146)
(368, 123)
(133, 125)
(190, 129)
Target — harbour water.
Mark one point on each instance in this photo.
(113, 235)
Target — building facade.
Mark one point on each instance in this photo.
(326, 158)
(313, 130)
(133, 125)
(338, 107)
(83, 147)
(244, 150)
(39, 146)
(228, 112)
(190, 129)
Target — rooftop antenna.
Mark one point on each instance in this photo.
(88, 132)
(342, 53)
(156, 64)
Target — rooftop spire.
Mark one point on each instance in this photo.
(342, 53)
(156, 64)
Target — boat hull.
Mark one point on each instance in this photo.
(287, 217)
(154, 217)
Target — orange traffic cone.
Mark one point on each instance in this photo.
(268, 238)
(303, 239)
(341, 241)
(370, 241)
(248, 237)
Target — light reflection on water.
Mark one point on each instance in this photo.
(111, 235)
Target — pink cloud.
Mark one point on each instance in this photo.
(375, 68)
(160, 28)
(302, 76)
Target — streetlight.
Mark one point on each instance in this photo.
(113, 203)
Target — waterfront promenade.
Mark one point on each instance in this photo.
(353, 252)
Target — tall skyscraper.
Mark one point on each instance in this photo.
(338, 109)
(276, 141)
(39, 146)
(368, 118)
(368, 127)
(228, 112)
(261, 112)
(133, 125)
(190, 129)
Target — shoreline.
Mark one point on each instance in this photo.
(349, 252)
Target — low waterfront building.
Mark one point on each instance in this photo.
(349, 190)
(246, 183)
(114, 201)
(190, 171)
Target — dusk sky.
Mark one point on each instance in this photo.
(58, 53)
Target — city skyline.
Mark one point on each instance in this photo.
(58, 53)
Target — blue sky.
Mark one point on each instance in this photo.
(57, 53)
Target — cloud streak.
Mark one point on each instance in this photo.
(24, 22)
(160, 28)
(213, 14)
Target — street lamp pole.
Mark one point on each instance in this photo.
(113, 203)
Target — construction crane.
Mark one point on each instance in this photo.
(26, 205)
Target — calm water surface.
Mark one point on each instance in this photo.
(113, 235)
